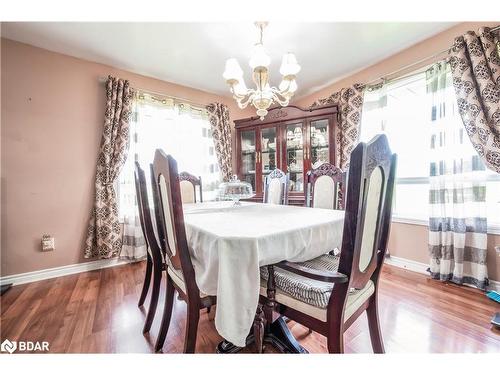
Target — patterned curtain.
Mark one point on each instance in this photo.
(218, 115)
(350, 102)
(104, 238)
(457, 192)
(475, 65)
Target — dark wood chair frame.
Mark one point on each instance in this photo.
(155, 264)
(338, 177)
(196, 181)
(180, 259)
(284, 179)
(364, 159)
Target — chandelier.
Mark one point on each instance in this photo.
(264, 95)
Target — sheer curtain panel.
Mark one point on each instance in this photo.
(457, 195)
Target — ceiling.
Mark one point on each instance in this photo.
(193, 54)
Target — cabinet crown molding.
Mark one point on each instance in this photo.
(286, 113)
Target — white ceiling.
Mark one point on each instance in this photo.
(193, 54)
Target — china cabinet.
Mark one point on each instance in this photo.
(292, 139)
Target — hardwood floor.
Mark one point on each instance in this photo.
(96, 312)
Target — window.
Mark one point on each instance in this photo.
(402, 110)
(181, 131)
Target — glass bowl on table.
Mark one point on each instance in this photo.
(234, 190)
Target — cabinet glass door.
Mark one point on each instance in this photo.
(320, 152)
(248, 157)
(295, 156)
(268, 144)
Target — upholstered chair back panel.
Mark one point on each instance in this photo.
(372, 217)
(166, 199)
(276, 187)
(187, 192)
(275, 191)
(324, 194)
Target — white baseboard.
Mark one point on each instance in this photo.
(407, 264)
(50, 273)
(414, 266)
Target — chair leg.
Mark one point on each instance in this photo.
(157, 273)
(167, 314)
(335, 338)
(336, 343)
(193, 318)
(374, 327)
(147, 281)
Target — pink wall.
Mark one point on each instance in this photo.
(51, 117)
(410, 241)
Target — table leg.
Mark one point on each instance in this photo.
(278, 335)
(281, 338)
(226, 347)
(258, 329)
(271, 295)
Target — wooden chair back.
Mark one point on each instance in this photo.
(189, 183)
(147, 226)
(157, 210)
(276, 187)
(368, 211)
(323, 187)
(170, 219)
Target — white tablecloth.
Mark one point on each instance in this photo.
(229, 243)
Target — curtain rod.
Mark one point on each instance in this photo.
(104, 79)
(384, 77)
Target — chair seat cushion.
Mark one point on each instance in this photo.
(310, 296)
(312, 292)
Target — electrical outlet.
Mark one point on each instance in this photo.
(48, 243)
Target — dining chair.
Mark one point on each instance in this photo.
(155, 264)
(180, 271)
(188, 184)
(327, 294)
(323, 187)
(276, 187)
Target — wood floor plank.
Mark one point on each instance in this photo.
(96, 312)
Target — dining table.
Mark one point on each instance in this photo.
(229, 243)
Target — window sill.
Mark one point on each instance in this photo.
(492, 229)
